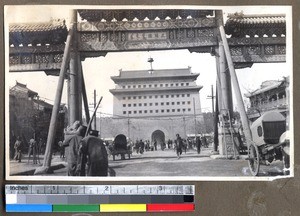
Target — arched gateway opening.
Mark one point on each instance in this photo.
(120, 141)
(159, 136)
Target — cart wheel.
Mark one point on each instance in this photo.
(253, 160)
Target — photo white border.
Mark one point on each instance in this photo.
(289, 63)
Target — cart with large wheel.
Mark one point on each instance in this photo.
(270, 141)
(120, 147)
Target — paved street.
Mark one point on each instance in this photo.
(164, 163)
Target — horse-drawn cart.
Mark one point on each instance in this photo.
(270, 142)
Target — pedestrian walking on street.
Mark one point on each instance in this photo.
(147, 147)
(137, 146)
(184, 145)
(155, 145)
(198, 145)
(61, 149)
(169, 144)
(204, 142)
(142, 146)
(179, 145)
(17, 148)
(32, 150)
(39, 147)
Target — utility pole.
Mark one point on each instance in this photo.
(184, 126)
(212, 97)
(128, 126)
(195, 118)
(100, 124)
(95, 120)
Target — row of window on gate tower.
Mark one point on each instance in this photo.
(161, 103)
(157, 111)
(156, 85)
(155, 96)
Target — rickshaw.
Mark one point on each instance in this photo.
(270, 141)
(120, 147)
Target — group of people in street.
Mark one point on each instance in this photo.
(18, 150)
(35, 149)
(141, 146)
(87, 155)
(179, 145)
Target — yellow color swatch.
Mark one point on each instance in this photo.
(123, 208)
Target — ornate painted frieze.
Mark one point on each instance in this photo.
(37, 49)
(57, 58)
(259, 58)
(269, 50)
(281, 49)
(24, 59)
(42, 58)
(141, 14)
(236, 51)
(253, 50)
(145, 25)
(145, 40)
(14, 59)
(256, 41)
(54, 67)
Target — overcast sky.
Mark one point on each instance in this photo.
(97, 71)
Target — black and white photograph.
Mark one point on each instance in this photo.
(148, 93)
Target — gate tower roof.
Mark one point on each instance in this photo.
(183, 73)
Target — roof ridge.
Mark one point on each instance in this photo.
(188, 68)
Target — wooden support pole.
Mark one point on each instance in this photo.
(95, 119)
(216, 117)
(235, 83)
(74, 95)
(55, 110)
(79, 80)
(226, 96)
(84, 98)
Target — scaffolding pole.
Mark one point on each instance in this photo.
(236, 87)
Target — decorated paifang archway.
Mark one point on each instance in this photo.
(159, 137)
(102, 31)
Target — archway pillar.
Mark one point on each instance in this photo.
(225, 104)
(75, 78)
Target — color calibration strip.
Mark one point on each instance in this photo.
(95, 198)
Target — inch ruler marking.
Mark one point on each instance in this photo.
(99, 198)
(102, 189)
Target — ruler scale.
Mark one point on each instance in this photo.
(99, 198)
